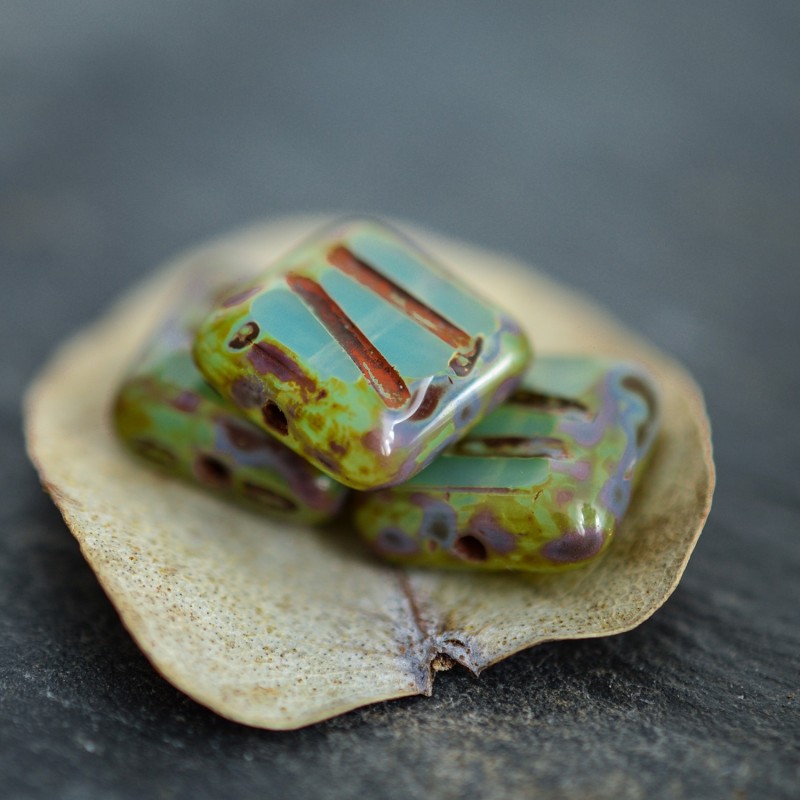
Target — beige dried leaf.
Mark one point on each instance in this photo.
(279, 626)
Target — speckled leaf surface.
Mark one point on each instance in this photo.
(280, 626)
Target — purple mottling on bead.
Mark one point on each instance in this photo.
(240, 297)
(410, 468)
(468, 412)
(375, 440)
(589, 433)
(492, 350)
(247, 392)
(579, 470)
(643, 423)
(187, 401)
(392, 541)
(615, 495)
(574, 546)
(484, 526)
(505, 389)
(564, 496)
(245, 437)
(250, 447)
(438, 520)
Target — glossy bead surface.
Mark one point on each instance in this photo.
(541, 484)
(361, 354)
(167, 413)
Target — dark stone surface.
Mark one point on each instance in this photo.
(645, 153)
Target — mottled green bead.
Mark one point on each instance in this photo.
(541, 484)
(167, 413)
(361, 354)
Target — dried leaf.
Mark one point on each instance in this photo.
(279, 626)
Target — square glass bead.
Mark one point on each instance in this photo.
(361, 353)
(541, 484)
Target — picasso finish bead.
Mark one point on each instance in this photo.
(361, 354)
(541, 484)
(166, 412)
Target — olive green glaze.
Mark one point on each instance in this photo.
(166, 412)
(541, 484)
(361, 354)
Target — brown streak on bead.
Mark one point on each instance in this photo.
(268, 358)
(344, 260)
(545, 402)
(373, 365)
(512, 447)
(315, 422)
(429, 402)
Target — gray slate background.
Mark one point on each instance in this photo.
(646, 153)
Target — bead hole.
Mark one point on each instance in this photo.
(155, 452)
(245, 336)
(268, 498)
(470, 549)
(212, 471)
(275, 418)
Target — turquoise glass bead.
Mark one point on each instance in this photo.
(541, 484)
(166, 412)
(361, 354)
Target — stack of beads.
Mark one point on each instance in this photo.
(355, 362)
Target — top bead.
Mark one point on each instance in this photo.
(361, 354)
